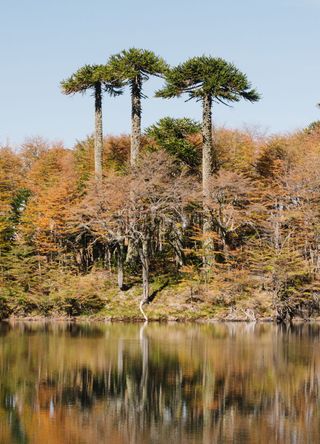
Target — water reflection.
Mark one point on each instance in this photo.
(136, 384)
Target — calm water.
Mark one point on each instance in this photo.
(136, 384)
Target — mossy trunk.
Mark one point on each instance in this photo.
(135, 119)
(98, 135)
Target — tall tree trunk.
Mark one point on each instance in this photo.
(136, 86)
(98, 135)
(135, 119)
(207, 146)
(206, 171)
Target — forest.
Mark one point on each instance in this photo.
(181, 221)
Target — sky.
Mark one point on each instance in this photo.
(275, 42)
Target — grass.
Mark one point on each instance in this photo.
(96, 296)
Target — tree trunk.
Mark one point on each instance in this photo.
(145, 270)
(98, 135)
(120, 260)
(206, 174)
(135, 119)
(206, 148)
(144, 257)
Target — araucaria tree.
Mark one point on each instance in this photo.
(98, 79)
(208, 79)
(133, 67)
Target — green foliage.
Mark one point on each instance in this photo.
(20, 266)
(83, 155)
(74, 305)
(5, 309)
(17, 206)
(19, 203)
(173, 135)
(288, 277)
(72, 295)
(133, 63)
(88, 76)
(207, 76)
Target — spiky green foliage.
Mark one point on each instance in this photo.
(205, 75)
(130, 64)
(174, 136)
(88, 76)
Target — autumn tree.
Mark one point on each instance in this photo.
(145, 205)
(52, 184)
(230, 207)
(11, 184)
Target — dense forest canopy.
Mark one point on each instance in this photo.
(213, 222)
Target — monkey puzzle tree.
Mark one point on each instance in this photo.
(208, 79)
(133, 67)
(97, 78)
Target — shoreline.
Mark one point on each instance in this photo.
(132, 320)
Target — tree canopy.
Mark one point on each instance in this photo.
(132, 63)
(87, 77)
(205, 75)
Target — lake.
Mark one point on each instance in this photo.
(249, 383)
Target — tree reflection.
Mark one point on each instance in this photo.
(159, 383)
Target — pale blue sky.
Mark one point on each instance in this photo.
(275, 42)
